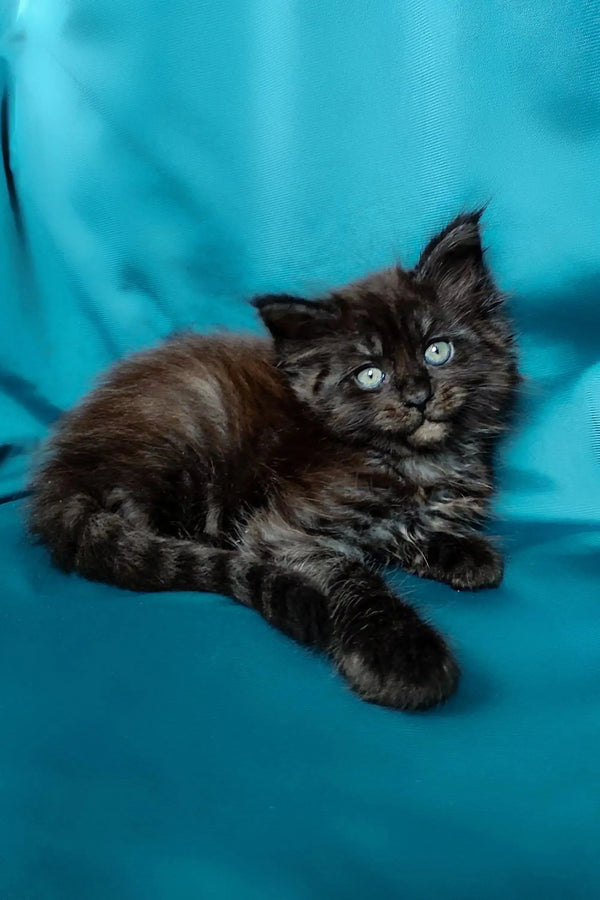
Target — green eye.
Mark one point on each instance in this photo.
(438, 353)
(369, 378)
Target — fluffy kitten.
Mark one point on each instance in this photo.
(283, 471)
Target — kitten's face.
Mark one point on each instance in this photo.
(413, 355)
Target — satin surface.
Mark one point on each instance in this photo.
(164, 162)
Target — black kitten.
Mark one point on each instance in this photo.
(282, 472)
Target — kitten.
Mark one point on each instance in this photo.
(283, 472)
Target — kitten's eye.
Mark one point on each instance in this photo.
(369, 378)
(438, 353)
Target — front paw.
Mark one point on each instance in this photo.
(402, 663)
(465, 563)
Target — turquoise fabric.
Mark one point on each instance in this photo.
(164, 161)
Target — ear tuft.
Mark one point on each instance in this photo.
(294, 318)
(457, 243)
(453, 262)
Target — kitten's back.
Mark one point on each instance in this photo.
(162, 428)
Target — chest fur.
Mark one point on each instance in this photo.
(445, 495)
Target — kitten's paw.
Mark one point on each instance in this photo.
(405, 665)
(465, 563)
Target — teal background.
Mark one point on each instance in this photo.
(169, 160)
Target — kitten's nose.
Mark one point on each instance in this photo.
(417, 393)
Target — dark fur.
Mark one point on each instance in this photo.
(260, 469)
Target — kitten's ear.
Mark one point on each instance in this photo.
(293, 318)
(453, 262)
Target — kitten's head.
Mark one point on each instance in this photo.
(415, 356)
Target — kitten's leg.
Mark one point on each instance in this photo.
(465, 562)
(288, 600)
(385, 651)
